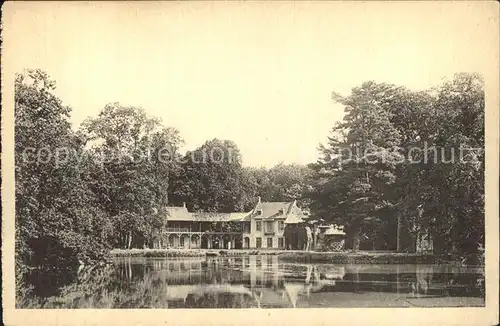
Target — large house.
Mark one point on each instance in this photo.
(267, 225)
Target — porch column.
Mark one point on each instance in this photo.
(193, 237)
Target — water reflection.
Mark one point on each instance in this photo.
(256, 281)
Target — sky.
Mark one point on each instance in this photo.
(260, 74)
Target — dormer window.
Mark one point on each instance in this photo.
(259, 212)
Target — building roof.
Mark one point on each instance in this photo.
(295, 215)
(176, 213)
(287, 211)
(293, 219)
(237, 216)
(271, 210)
(219, 217)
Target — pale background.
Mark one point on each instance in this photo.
(259, 74)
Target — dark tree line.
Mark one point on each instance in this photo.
(81, 193)
(410, 158)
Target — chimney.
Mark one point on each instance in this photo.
(254, 211)
(184, 204)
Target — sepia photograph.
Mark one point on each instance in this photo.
(265, 155)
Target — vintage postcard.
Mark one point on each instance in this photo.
(281, 163)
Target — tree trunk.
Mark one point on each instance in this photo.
(129, 240)
(438, 244)
(398, 239)
(355, 240)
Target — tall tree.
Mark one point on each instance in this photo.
(211, 178)
(438, 187)
(282, 182)
(58, 218)
(136, 154)
(452, 185)
(358, 164)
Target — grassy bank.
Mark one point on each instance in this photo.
(189, 252)
(357, 258)
(289, 256)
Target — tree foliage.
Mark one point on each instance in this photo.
(391, 157)
(282, 182)
(211, 178)
(134, 152)
(57, 214)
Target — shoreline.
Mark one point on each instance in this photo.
(346, 257)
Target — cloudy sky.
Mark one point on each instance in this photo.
(259, 74)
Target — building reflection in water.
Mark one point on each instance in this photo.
(262, 281)
(253, 281)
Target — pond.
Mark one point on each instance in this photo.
(253, 282)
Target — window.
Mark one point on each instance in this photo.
(269, 226)
(281, 225)
(280, 243)
(269, 242)
(258, 225)
(259, 242)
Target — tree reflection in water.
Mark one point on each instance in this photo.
(241, 282)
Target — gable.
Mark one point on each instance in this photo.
(178, 214)
(271, 210)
